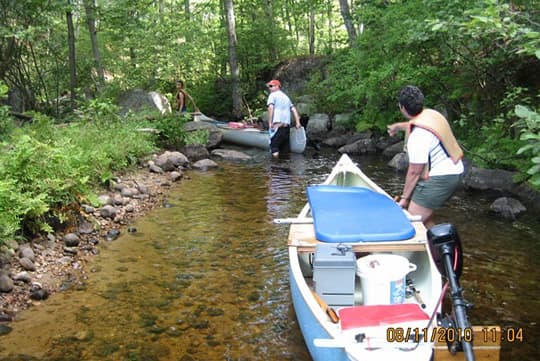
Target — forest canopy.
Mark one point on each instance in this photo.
(478, 61)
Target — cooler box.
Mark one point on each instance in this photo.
(334, 267)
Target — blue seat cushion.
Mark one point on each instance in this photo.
(356, 214)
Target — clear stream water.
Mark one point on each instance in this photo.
(206, 279)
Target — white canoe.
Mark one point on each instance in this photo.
(254, 137)
(364, 228)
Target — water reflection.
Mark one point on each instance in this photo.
(206, 279)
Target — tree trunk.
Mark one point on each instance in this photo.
(188, 33)
(89, 6)
(271, 28)
(346, 14)
(312, 29)
(72, 61)
(233, 60)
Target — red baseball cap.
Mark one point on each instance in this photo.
(274, 82)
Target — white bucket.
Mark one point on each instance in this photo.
(383, 278)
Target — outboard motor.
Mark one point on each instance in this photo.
(445, 247)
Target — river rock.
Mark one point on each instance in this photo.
(231, 155)
(344, 120)
(39, 294)
(4, 329)
(205, 164)
(143, 189)
(129, 192)
(318, 126)
(23, 277)
(175, 176)
(489, 179)
(27, 264)
(104, 199)
(5, 256)
(112, 234)
(118, 200)
(392, 149)
(85, 227)
(70, 250)
(508, 208)
(28, 252)
(195, 152)
(215, 137)
(118, 186)
(337, 141)
(11, 244)
(108, 211)
(154, 168)
(362, 146)
(400, 161)
(169, 161)
(6, 283)
(71, 240)
(138, 100)
(88, 209)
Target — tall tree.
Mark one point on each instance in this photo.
(233, 60)
(72, 61)
(187, 10)
(346, 14)
(90, 6)
(312, 29)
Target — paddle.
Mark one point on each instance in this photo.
(328, 310)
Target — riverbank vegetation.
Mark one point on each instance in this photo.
(48, 170)
(63, 64)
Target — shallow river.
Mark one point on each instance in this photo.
(206, 278)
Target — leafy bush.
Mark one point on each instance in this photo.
(530, 133)
(47, 170)
(172, 134)
(6, 121)
(16, 206)
(197, 137)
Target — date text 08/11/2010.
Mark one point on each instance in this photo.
(488, 334)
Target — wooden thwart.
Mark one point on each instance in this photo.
(302, 236)
(486, 345)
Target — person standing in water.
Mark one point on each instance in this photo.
(435, 165)
(279, 118)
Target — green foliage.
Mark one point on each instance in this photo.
(6, 121)
(100, 109)
(16, 206)
(172, 134)
(530, 134)
(197, 137)
(47, 170)
(42, 172)
(473, 60)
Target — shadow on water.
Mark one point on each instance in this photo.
(206, 279)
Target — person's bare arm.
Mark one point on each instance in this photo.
(296, 117)
(396, 127)
(270, 115)
(414, 172)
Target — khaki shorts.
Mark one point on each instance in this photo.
(432, 193)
